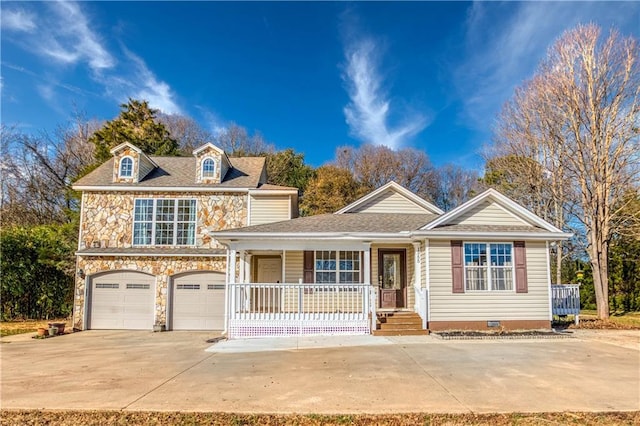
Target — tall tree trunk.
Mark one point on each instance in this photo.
(598, 256)
(558, 262)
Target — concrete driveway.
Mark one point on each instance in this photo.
(172, 371)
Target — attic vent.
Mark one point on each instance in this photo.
(188, 286)
(138, 286)
(215, 286)
(107, 285)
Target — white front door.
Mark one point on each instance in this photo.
(269, 270)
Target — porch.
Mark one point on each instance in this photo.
(565, 300)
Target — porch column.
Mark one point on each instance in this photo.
(232, 267)
(418, 264)
(242, 265)
(367, 266)
(247, 269)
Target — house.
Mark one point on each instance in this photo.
(484, 264)
(204, 243)
(146, 257)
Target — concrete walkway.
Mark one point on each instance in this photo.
(175, 371)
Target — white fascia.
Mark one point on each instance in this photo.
(258, 191)
(159, 189)
(542, 236)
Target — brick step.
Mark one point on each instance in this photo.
(395, 326)
(413, 332)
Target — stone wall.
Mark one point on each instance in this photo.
(161, 267)
(107, 218)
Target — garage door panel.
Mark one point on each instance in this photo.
(198, 301)
(122, 300)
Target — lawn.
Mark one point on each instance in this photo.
(38, 417)
(9, 328)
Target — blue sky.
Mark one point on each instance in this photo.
(310, 76)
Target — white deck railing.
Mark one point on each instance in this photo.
(281, 309)
(565, 299)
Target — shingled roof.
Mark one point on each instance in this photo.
(181, 172)
(339, 223)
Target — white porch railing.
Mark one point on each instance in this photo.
(565, 299)
(421, 304)
(281, 309)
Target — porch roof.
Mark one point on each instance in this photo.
(332, 224)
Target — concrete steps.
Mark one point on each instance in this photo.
(399, 324)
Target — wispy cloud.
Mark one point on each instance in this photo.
(72, 39)
(145, 85)
(66, 35)
(500, 57)
(18, 20)
(368, 113)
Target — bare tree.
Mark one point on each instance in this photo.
(376, 165)
(38, 171)
(579, 118)
(455, 185)
(235, 140)
(189, 134)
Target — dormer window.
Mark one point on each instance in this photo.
(126, 167)
(208, 168)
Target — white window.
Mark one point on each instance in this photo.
(164, 222)
(488, 266)
(337, 267)
(126, 167)
(208, 168)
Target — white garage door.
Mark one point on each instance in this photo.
(198, 301)
(122, 300)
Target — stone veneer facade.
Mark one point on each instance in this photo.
(107, 217)
(163, 268)
(107, 222)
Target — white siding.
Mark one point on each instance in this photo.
(485, 306)
(266, 209)
(489, 213)
(390, 202)
(293, 267)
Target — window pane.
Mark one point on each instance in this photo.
(142, 222)
(208, 168)
(502, 278)
(126, 167)
(476, 278)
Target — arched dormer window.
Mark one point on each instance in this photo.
(126, 167)
(208, 168)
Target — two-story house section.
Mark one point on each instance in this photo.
(145, 256)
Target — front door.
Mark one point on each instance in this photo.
(269, 270)
(391, 278)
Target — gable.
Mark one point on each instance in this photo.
(389, 202)
(489, 213)
(391, 198)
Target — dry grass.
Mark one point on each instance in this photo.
(63, 418)
(9, 328)
(622, 321)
